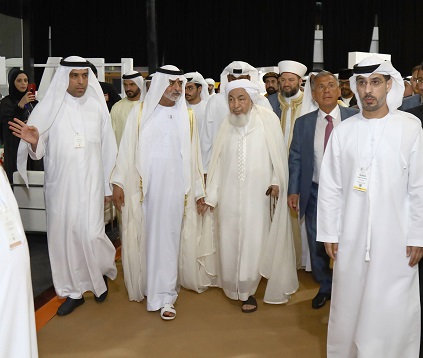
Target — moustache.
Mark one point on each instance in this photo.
(369, 97)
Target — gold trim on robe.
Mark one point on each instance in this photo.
(295, 105)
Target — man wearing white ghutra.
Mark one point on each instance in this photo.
(71, 129)
(370, 217)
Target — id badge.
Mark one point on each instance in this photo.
(361, 181)
(10, 227)
(79, 140)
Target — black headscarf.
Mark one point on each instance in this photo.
(14, 93)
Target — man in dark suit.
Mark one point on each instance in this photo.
(417, 111)
(417, 99)
(311, 132)
(410, 102)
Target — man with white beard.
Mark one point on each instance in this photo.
(248, 162)
(217, 106)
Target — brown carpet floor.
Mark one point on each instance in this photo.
(206, 325)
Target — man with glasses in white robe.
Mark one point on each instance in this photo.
(370, 217)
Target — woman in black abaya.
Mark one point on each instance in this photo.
(18, 104)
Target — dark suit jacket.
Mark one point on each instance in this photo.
(301, 154)
(417, 111)
(410, 102)
(273, 99)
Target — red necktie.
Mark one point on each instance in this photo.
(328, 130)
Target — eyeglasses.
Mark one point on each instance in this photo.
(373, 83)
(417, 80)
(330, 86)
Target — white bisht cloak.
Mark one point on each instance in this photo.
(277, 262)
(196, 265)
(375, 306)
(17, 318)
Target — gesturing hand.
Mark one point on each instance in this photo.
(21, 130)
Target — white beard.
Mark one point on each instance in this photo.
(239, 120)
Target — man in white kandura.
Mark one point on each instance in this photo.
(370, 217)
(71, 129)
(197, 95)
(17, 324)
(157, 181)
(211, 84)
(248, 162)
(133, 84)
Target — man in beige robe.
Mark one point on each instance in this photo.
(133, 84)
(287, 104)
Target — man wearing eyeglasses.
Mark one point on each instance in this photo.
(417, 82)
(370, 218)
(311, 132)
(415, 77)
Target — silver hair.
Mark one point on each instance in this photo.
(322, 74)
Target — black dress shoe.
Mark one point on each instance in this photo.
(320, 300)
(69, 305)
(103, 296)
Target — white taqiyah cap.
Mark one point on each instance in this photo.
(292, 66)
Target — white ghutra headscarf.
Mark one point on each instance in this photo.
(138, 80)
(45, 113)
(159, 84)
(196, 77)
(375, 64)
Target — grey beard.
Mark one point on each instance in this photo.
(239, 120)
